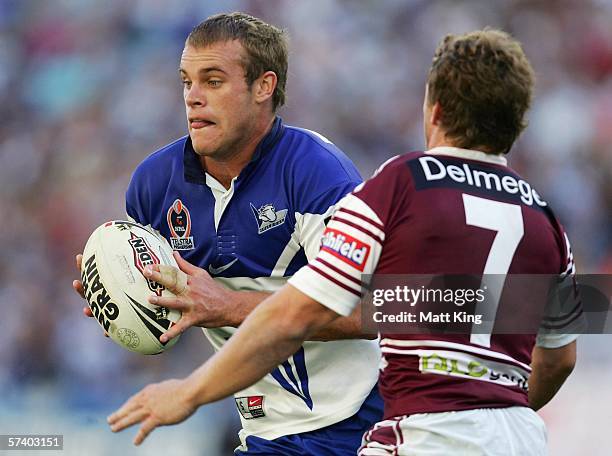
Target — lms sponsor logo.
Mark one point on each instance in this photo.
(350, 250)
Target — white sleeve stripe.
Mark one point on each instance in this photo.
(355, 205)
(360, 222)
(338, 277)
(334, 281)
(336, 262)
(330, 266)
(343, 228)
(337, 283)
(376, 223)
(564, 324)
(555, 340)
(369, 234)
(338, 299)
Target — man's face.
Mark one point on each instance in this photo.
(221, 110)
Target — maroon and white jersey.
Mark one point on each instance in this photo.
(445, 211)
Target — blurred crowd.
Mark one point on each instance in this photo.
(88, 88)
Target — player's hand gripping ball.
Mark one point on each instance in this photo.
(117, 291)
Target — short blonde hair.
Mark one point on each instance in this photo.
(265, 45)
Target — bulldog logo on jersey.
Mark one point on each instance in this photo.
(268, 217)
(179, 222)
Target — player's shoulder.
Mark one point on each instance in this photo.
(161, 160)
(392, 170)
(397, 164)
(310, 148)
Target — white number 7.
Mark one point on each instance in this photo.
(507, 220)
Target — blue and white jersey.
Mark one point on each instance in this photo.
(254, 236)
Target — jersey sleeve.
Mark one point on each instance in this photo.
(351, 246)
(321, 175)
(563, 317)
(312, 218)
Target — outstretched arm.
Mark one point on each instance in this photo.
(270, 334)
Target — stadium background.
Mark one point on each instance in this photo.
(89, 87)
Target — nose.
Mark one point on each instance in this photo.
(194, 96)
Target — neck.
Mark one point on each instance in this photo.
(227, 168)
(438, 138)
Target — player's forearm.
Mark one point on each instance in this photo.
(261, 343)
(543, 386)
(341, 328)
(550, 369)
(243, 303)
(252, 352)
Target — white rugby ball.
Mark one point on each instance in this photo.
(117, 291)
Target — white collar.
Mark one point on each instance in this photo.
(469, 154)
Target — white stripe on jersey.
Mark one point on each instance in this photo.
(450, 345)
(307, 234)
(270, 284)
(329, 292)
(327, 264)
(367, 223)
(466, 366)
(284, 260)
(571, 266)
(381, 450)
(374, 448)
(310, 228)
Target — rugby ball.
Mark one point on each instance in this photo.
(117, 291)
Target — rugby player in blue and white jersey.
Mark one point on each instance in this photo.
(245, 198)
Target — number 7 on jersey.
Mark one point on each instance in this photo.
(507, 221)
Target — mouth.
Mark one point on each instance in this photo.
(198, 123)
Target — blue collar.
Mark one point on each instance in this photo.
(195, 173)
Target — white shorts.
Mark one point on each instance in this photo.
(512, 431)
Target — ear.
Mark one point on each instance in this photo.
(264, 85)
(436, 114)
